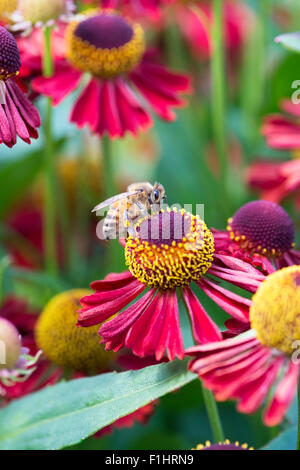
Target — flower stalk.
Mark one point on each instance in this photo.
(213, 414)
(218, 94)
(108, 171)
(49, 169)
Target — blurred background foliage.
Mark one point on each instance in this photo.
(181, 155)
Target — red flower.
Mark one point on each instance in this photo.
(282, 131)
(112, 50)
(275, 180)
(31, 49)
(137, 8)
(164, 263)
(18, 116)
(260, 231)
(247, 366)
(196, 19)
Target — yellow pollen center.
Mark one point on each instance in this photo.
(87, 55)
(7, 7)
(66, 344)
(275, 310)
(174, 261)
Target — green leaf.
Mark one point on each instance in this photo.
(290, 41)
(287, 440)
(67, 413)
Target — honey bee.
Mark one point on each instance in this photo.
(127, 208)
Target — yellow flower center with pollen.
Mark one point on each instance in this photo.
(171, 249)
(105, 45)
(66, 344)
(7, 7)
(275, 310)
(36, 11)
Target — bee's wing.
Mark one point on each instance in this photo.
(114, 199)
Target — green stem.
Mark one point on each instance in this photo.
(210, 402)
(213, 415)
(49, 170)
(252, 86)
(4, 264)
(108, 172)
(218, 93)
(115, 251)
(298, 434)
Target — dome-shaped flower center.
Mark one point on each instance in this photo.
(63, 342)
(106, 45)
(172, 249)
(275, 310)
(226, 445)
(42, 11)
(9, 55)
(262, 227)
(10, 345)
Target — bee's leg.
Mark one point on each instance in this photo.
(128, 228)
(143, 211)
(155, 208)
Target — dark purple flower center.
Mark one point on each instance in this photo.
(164, 228)
(265, 225)
(9, 54)
(105, 31)
(224, 447)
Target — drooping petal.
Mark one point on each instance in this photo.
(153, 80)
(86, 109)
(114, 331)
(65, 80)
(132, 114)
(18, 116)
(113, 281)
(252, 395)
(233, 304)
(103, 311)
(283, 396)
(158, 329)
(109, 118)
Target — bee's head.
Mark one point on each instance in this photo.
(157, 195)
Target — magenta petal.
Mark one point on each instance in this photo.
(98, 314)
(65, 80)
(283, 396)
(27, 110)
(109, 118)
(132, 115)
(170, 334)
(86, 110)
(204, 329)
(157, 329)
(123, 321)
(140, 329)
(233, 304)
(99, 298)
(113, 281)
(8, 133)
(163, 76)
(252, 395)
(160, 99)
